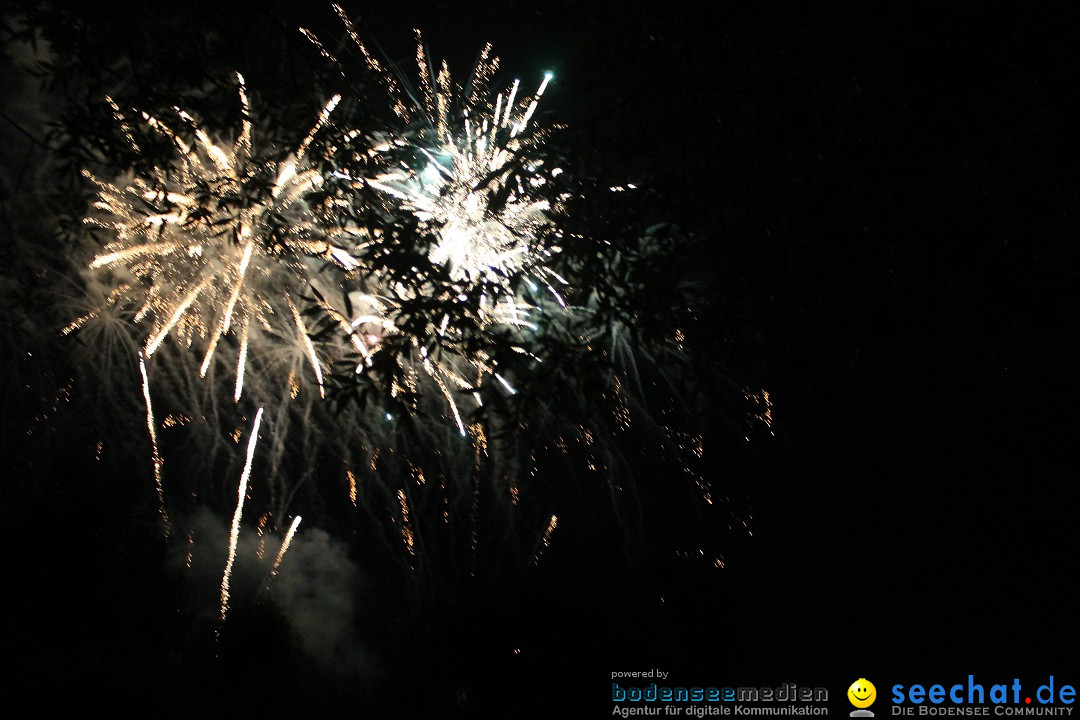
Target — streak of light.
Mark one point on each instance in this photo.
(151, 426)
(234, 532)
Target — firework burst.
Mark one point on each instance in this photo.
(469, 200)
(221, 242)
(424, 258)
(474, 183)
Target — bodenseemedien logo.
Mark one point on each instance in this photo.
(862, 694)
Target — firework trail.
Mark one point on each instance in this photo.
(407, 536)
(158, 463)
(234, 533)
(284, 548)
(352, 486)
(545, 539)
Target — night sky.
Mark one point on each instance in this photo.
(883, 206)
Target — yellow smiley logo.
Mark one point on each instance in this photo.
(862, 693)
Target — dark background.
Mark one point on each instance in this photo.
(885, 199)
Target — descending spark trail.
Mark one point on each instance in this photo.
(284, 548)
(151, 426)
(352, 486)
(407, 536)
(545, 539)
(312, 357)
(234, 533)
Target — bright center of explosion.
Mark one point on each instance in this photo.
(475, 242)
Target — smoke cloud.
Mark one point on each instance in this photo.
(316, 586)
